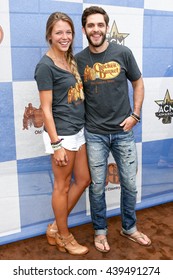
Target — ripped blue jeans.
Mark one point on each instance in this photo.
(123, 148)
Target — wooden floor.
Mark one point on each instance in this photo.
(156, 222)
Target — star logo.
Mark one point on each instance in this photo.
(116, 36)
(165, 111)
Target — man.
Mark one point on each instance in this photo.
(105, 69)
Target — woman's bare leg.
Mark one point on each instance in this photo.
(62, 179)
(64, 240)
(82, 180)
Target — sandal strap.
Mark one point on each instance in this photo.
(104, 242)
(64, 241)
(101, 241)
(67, 240)
(139, 235)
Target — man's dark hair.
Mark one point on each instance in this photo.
(94, 10)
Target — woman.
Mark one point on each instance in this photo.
(61, 97)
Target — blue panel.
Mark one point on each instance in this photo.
(34, 164)
(152, 151)
(78, 41)
(162, 26)
(24, 56)
(157, 178)
(123, 3)
(157, 53)
(24, 62)
(7, 131)
(35, 181)
(157, 13)
(24, 6)
(137, 129)
(147, 31)
(156, 61)
(30, 33)
(48, 6)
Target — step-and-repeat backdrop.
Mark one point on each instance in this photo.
(26, 179)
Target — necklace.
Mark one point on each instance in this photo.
(97, 61)
(62, 63)
(105, 53)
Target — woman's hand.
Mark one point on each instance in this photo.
(60, 157)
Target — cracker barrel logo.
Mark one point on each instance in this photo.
(101, 71)
(32, 116)
(1, 34)
(112, 174)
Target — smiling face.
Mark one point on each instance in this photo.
(95, 30)
(61, 36)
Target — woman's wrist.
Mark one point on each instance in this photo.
(57, 142)
(57, 145)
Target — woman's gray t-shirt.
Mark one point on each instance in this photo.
(67, 104)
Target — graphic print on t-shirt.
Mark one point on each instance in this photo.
(76, 93)
(105, 71)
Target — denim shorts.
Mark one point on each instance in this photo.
(70, 142)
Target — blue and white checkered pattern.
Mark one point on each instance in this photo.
(26, 179)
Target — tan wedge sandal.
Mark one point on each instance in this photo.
(70, 245)
(50, 234)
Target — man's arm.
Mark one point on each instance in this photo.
(138, 97)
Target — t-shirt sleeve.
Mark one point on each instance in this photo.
(43, 77)
(133, 71)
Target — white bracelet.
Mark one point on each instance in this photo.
(57, 146)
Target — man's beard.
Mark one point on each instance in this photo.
(96, 45)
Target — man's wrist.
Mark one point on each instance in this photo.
(136, 117)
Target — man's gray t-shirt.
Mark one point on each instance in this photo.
(67, 105)
(105, 79)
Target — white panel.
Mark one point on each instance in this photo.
(9, 199)
(152, 127)
(29, 141)
(5, 45)
(128, 20)
(4, 6)
(166, 5)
